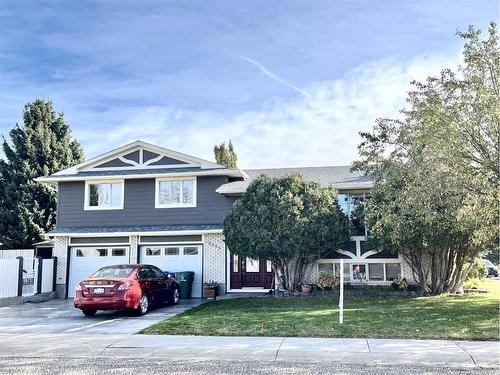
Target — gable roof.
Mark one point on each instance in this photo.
(140, 159)
(340, 177)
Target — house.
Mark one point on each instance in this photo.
(142, 203)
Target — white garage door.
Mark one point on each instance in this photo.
(176, 258)
(84, 261)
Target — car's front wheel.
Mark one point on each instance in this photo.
(89, 312)
(143, 305)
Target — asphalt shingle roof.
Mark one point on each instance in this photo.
(135, 229)
(339, 177)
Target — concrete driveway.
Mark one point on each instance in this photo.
(59, 316)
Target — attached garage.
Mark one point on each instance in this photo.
(85, 260)
(176, 258)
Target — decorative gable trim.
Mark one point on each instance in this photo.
(136, 159)
(150, 154)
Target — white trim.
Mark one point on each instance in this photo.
(130, 162)
(216, 172)
(176, 205)
(152, 233)
(250, 290)
(87, 207)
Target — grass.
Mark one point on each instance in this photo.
(469, 317)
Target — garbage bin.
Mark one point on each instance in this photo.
(186, 280)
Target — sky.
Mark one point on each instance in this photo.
(291, 83)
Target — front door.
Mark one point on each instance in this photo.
(247, 272)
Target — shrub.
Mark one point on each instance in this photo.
(473, 283)
(399, 283)
(478, 269)
(327, 281)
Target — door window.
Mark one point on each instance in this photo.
(101, 252)
(252, 265)
(146, 273)
(172, 251)
(153, 251)
(235, 263)
(118, 252)
(191, 251)
(157, 273)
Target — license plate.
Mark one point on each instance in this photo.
(98, 290)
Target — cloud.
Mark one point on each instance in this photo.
(319, 129)
(273, 76)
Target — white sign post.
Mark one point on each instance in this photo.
(341, 294)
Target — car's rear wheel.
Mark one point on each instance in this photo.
(143, 305)
(89, 312)
(174, 299)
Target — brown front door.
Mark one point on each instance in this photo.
(247, 272)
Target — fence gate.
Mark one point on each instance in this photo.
(30, 266)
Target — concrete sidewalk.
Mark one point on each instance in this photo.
(374, 351)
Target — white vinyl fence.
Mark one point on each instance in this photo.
(9, 277)
(35, 276)
(14, 253)
(47, 278)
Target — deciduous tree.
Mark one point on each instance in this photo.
(289, 221)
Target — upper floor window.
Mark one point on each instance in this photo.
(175, 192)
(104, 195)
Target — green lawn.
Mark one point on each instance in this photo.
(471, 317)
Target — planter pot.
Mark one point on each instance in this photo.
(211, 292)
(306, 288)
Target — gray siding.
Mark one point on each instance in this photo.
(139, 206)
(158, 239)
(99, 240)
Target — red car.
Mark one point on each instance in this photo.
(128, 286)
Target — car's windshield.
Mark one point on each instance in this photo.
(487, 263)
(113, 272)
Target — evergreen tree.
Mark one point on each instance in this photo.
(41, 146)
(226, 155)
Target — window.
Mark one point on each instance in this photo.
(104, 196)
(153, 251)
(190, 251)
(392, 270)
(118, 252)
(235, 263)
(146, 273)
(252, 265)
(376, 271)
(113, 271)
(157, 273)
(179, 192)
(269, 266)
(325, 268)
(82, 253)
(172, 251)
(101, 252)
(359, 271)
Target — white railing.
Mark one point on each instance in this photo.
(9, 277)
(47, 278)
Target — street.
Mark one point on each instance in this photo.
(54, 365)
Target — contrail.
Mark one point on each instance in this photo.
(273, 76)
